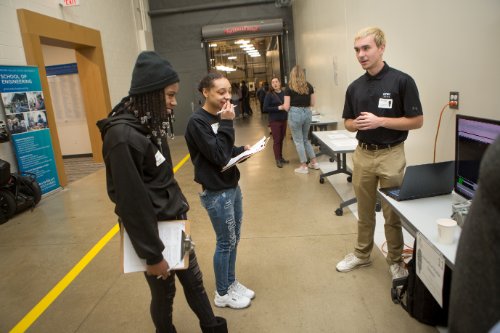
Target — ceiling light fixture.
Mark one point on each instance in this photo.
(223, 68)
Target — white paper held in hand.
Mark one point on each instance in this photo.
(257, 147)
(170, 233)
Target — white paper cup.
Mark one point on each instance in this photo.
(446, 230)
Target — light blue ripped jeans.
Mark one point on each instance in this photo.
(226, 212)
(299, 120)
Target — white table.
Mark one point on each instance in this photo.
(320, 123)
(337, 144)
(420, 215)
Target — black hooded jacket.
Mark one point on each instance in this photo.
(140, 181)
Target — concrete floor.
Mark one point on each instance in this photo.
(291, 242)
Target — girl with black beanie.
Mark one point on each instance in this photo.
(140, 181)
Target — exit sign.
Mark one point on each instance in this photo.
(67, 3)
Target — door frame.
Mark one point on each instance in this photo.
(38, 29)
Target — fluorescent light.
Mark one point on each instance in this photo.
(232, 57)
(242, 41)
(212, 45)
(224, 68)
(250, 47)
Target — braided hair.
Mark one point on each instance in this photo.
(151, 110)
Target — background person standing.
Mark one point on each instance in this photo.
(261, 95)
(299, 98)
(381, 106)
(273, 104)
(246, 110)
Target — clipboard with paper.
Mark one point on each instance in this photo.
(257, 147)
(175, 235)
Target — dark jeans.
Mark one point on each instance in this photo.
(245, 107)
(278, 129)
(163, 292)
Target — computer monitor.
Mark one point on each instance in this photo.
(473, 136)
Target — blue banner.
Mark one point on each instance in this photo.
(26, 119)
(63, 69)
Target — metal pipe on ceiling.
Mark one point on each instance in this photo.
(197, 8)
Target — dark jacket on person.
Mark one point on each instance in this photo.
(210, 141)
(261, 94)
(271, 103)
(475, 287)
(140, 181)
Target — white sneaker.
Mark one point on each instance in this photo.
(351, 262)
(314, 166)
(398, 271)
(242, 290)
(302, 169)
(232, 300)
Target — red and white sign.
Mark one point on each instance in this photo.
(68, 3)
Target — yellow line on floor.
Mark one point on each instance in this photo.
(52, 295)
(181, 163)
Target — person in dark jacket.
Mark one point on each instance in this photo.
(475, 291)
(261, 95)
(210, 139)
(273, 104)
(140, 181)
(245, 100)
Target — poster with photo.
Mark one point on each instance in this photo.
(26, 120)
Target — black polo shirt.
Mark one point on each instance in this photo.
(390, 93)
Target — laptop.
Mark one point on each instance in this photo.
(423, 181)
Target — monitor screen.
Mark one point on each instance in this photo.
(473, 136)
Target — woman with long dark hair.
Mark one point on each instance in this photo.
(273, 105)
(210, 138)
(140, 181)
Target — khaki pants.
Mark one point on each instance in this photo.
(386, 167)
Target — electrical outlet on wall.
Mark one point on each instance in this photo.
(454, 99)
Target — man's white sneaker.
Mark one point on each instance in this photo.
(242, 290)
(398, 271)
(232, 300)
(351, 262)
(302, 169)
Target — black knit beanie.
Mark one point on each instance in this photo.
(151, 72)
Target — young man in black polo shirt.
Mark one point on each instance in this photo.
(381, 106)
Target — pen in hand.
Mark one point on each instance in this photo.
(161, 276)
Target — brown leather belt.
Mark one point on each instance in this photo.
(373, 147)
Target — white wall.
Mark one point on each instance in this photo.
(448, 45)
(117, 21)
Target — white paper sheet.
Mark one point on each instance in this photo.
(344, 143)
(430, 265)
(171, 235)
(259, 146)
(338, 136)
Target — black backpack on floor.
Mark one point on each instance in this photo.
(418, 301)
(18, 192)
